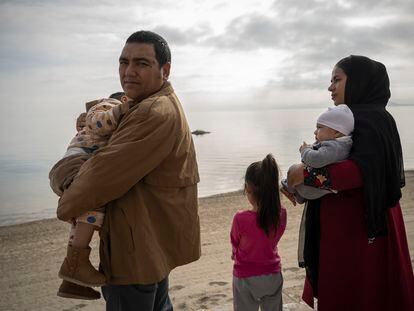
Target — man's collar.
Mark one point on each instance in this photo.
(165, 90)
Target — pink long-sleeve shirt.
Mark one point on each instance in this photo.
(253, 252)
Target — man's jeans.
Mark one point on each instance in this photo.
(150, 297)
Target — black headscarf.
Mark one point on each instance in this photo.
(376, 142)
(376, 150)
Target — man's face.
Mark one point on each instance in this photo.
(139, 71)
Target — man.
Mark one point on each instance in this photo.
(146, 177)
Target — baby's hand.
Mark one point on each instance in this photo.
(81, 121)
(304, 146)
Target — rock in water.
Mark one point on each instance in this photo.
(199, 132)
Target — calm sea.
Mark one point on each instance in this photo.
(237, 138)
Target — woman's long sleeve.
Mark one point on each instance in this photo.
(339, 176)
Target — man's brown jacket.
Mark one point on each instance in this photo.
(147, 178)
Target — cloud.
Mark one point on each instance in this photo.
(248, 32)
(315, 34)
(181, 37)
(258, 47)
(300, 25)
(51, 34)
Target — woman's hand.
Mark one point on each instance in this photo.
(288, 195)
(295, 175)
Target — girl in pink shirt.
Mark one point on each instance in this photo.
(257, 277)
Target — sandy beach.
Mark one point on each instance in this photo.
(31, 253)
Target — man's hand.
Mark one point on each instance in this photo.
(81, 121)
(289, 195)
(295, 175)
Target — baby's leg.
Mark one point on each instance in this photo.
(82, 234)
(76, 267)
(84, 228)
(72, 233)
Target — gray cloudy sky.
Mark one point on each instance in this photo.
(55, 55)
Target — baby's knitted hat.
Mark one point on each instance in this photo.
(339, 118)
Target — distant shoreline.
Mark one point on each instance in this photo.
(212, 196)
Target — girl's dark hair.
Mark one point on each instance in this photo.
(262, 177)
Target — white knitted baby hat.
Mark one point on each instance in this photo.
(339, 118)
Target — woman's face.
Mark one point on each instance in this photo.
(337, 87)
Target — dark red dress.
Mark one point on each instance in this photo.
(353, 274)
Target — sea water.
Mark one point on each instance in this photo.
(236, 139)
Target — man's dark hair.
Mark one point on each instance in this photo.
(162, 50)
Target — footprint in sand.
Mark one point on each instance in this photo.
(77, 307)
(217, 283)
(293, 269)
(176, 287)
(213, 300)
(182, 306)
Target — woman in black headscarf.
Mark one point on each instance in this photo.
(356, 253)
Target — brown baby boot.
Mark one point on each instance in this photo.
(75, 291)
(77, 268)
